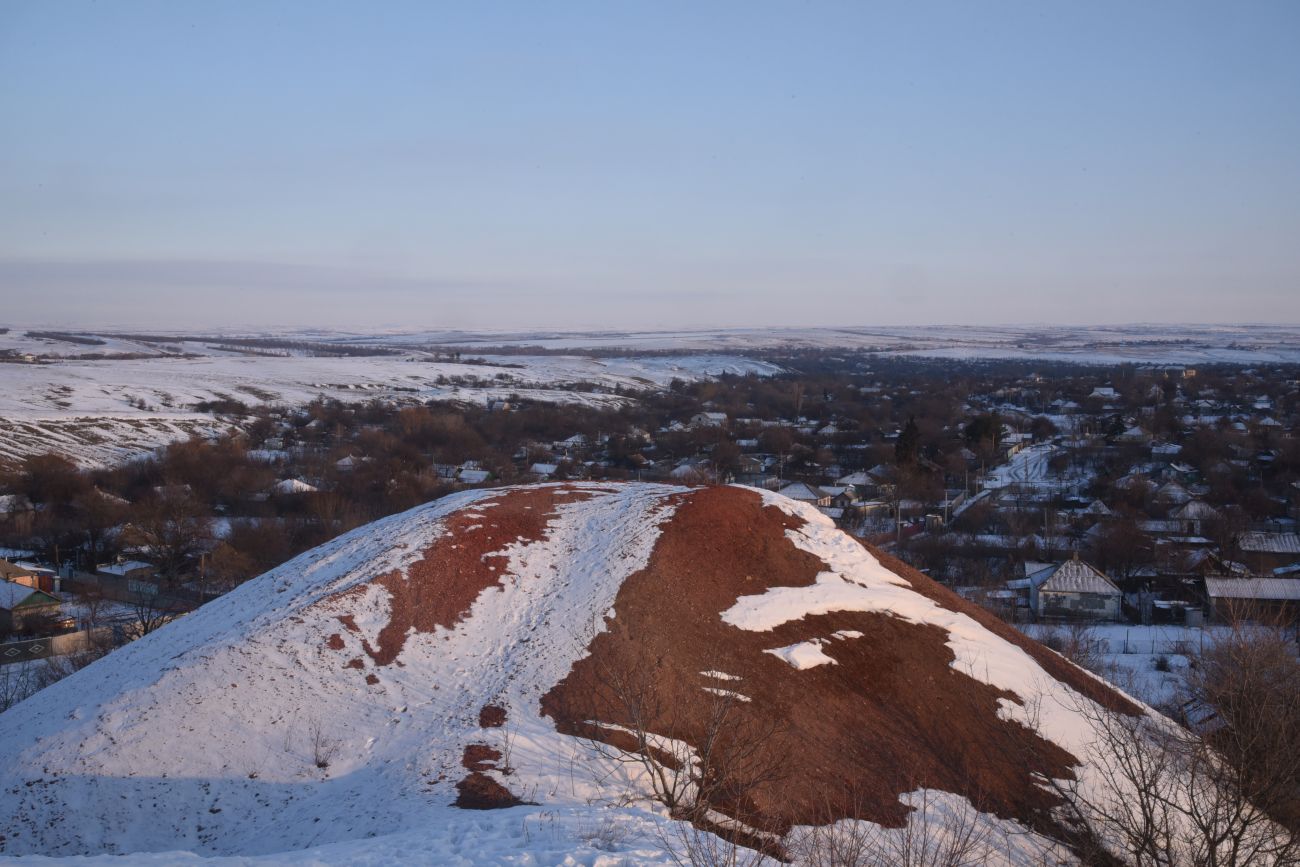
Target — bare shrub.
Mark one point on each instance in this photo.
(947, 833)
(324, 748)
(604, 832)
(697, 753)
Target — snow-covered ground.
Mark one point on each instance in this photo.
(1146, 661)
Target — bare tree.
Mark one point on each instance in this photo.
(172, 530)
(1165, 797)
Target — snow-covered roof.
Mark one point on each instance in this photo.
(8, 569)
(543, 469)
(858, 478)
(1173, 492)
(294, 486)
(803, 491)
(1076, 576)
(12, 595)
(1197, 511)
(121, 569)
(1270, 543)
(1253, 588)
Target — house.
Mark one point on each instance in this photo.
(692, 473)
(23, 607)
(1173, 493)
(806, 493)
(1074, 590)
(1098, 509)
(1193, 515)
(29, 575)
(131, 570)
(709, 419)
(543, 471)
(1134, 436)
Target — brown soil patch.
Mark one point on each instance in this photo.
(465, 559)
(491, 717)
(478, 791)
(334, 642)
(371, 679)
(890, 717)
(480, 757)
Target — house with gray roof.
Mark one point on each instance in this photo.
(1074, 590)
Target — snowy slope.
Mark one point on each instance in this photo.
(292, 714)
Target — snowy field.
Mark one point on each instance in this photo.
(102, 411)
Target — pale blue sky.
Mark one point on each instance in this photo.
(641, 164)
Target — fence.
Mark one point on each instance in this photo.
(55, 645)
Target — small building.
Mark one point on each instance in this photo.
(129, 570)
(22, 607)
(1074, 590)
(473, 476)
(1271, 598)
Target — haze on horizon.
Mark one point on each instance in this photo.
(580, 165)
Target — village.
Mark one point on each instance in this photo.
(1050, 494)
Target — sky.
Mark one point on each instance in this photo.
(648, 164)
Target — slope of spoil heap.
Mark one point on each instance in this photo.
(484, 651)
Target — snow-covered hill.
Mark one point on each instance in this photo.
(465, 651)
